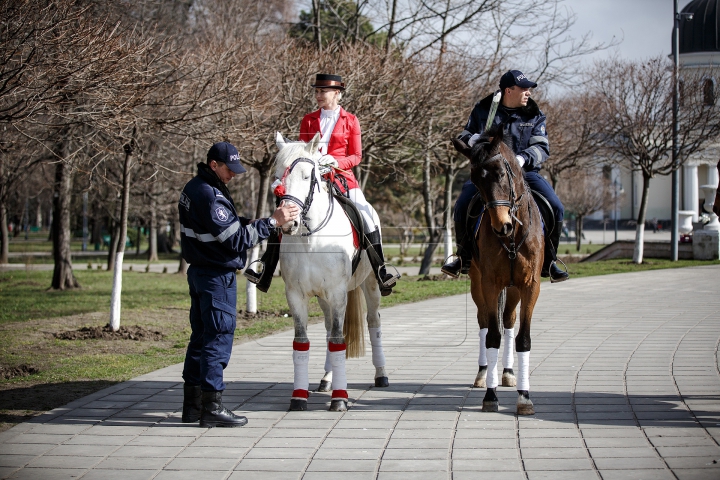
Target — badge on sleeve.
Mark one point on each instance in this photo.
(542, 129)
(221, 214)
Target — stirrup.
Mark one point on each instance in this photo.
(252, 275)
(390, 282)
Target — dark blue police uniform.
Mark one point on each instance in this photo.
(525, 127)
(214, 242)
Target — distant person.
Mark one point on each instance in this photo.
(214, 242)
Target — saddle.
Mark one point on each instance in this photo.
(477, 208)
(358, 227)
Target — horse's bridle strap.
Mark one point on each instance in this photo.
(305, 206)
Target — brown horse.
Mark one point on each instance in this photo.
(510, 244)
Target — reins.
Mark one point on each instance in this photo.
(305, 206)
(513, 204)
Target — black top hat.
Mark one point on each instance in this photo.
(324, 80)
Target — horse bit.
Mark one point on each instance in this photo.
(305, 206)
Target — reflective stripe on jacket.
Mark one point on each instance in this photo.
(211, 233)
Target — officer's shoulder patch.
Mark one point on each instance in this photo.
(542, 129)
(221, 213)
(185, 201)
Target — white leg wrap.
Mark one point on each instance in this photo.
(523, 378)
(492, 375)
(378, 356)
(328, 365)
(509, 347)
(300, 359)
(339, 378)
(482, 357)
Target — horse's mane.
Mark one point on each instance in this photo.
(491, 142)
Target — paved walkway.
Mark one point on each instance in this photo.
(624, 378)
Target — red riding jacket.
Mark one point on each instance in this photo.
(345, 144)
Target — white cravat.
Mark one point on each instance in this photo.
(328, 119)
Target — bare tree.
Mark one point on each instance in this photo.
(584, 192)
(636, 103)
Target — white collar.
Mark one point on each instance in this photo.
(329, 113)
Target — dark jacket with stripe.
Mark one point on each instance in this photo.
(212, 235)
(525, 127)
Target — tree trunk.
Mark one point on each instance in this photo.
(578, 231)
(433, 235)
(113, 247)
(63, 277)
(640, 228)
(4, 234)
(391, 26)
(316, 26)
(153, 236)
(117, 275)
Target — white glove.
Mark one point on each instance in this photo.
(328, 161)
(473, 140)
(521, 160)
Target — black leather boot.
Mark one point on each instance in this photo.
(269, 261)
(461, 264)
(550, 268)
(192, 403)
(214, 413)
(386, 280)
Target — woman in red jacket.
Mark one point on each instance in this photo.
(341, 147)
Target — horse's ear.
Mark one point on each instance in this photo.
(314, 144)
(461, 147)
(497, 137)
(279, 140)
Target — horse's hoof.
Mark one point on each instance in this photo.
(338, 405)
(298, 405)
(524, 405)
(481, 377)
(526, 409)
(382, 382)
(508, 378)
(324, 386)
(490, 406)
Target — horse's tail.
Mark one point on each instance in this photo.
(354, 326)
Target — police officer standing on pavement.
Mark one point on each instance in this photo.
(524, 125)
(214, 242)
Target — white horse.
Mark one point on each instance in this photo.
(316, 254)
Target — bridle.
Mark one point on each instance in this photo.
(513, 204)
(305, 206)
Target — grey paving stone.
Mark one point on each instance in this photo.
(15, 460)
(636, 463)
(97, 474)
(267, 465)
(511, 464)
(47, 473)
(132, 463)
(561, 474)
(413, 465)
(557, 464)
(71, 462)
(638, 474)
(207, 464)
(191, 475)
(547, 452)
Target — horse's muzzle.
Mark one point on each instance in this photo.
(504, 231)
(291, 228)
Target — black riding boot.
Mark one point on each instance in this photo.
(214, 413)
(463, 253)
(385, 280)
(269, 261)
(192, 403)
(550, 268)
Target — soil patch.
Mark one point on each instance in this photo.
(133, 332)
(437, 278)
(6, 373)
